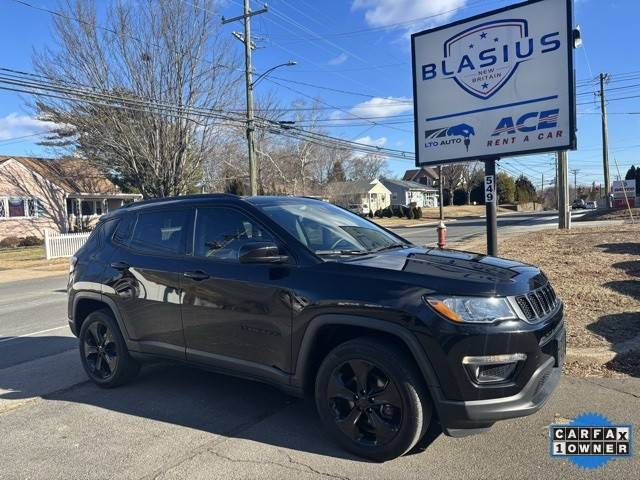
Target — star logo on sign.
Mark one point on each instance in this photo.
(485, 85)
(483, 35)
(495, 39)
(471, 46)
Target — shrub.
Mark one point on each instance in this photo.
(9, 242)
(414, 211)
(31, 241)
(387, 212)
(419, 210)
(370, 213)
(378, 214)
(410, 213)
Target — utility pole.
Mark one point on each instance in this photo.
(575, 181)
(440, 193)
(605, 138)
(246, 39)
(564, 215)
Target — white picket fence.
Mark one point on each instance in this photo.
(63, 244)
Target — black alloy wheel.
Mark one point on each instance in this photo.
(366, 403)
(372, 398)
(100, 350)
(103, 351)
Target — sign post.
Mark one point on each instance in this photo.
(495, 85)
(490, 201)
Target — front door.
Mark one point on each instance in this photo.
(234, 314)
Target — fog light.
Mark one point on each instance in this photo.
(492, 368)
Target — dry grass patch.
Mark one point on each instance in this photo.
(28, 262)
(596, 272)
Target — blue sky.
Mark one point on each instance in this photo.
(362, 48)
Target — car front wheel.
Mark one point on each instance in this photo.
(372, 399)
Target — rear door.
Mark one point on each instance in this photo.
(235, 315)
(144, 276)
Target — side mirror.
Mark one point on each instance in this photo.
(261, 252)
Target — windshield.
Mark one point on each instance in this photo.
(328, 230)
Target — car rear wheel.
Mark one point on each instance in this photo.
(103, 351)
(372, 399)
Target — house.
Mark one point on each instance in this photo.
(406, 192)
(367, 195)
(426, 175)
(63, 195)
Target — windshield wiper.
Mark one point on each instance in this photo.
(340, 252)
(389, 247)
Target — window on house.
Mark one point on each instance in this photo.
(87, 207)
(19, 207)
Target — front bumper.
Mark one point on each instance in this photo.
(478, 414)
(473, 413)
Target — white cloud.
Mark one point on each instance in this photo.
(382, 13)
(339, 60)
(15, 125)
(380, 107)
(374, 142)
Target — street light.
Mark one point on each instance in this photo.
(290, 63)
(253, 164)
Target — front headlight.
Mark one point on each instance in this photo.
(472, 309)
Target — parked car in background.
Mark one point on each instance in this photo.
(578, 203)
(592, 205)
(386, 336)
(361, 209)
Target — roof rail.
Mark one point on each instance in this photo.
(203, 196)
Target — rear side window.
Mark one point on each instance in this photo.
(161, 232)
(123, 232)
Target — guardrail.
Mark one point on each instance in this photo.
(58, 245)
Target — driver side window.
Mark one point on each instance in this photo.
(220, 232)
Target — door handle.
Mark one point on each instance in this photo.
(120, 265)
(196, 275)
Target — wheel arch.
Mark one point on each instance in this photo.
(86, 303)
(314, 345)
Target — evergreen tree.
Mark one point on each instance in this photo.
(336, 174)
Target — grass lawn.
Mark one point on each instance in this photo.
(433, 214)
(617, 214)
(28, 258)
(596, 272)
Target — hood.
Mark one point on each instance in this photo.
(456, 272)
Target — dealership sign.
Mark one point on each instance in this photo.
(495, 85)
(624, 193)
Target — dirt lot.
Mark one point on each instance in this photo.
(28, 262)
(596, 272)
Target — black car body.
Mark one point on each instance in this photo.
(274, 309)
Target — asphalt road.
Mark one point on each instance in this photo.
(464, 228)
(176, 422)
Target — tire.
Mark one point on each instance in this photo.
(103, 352)
(381, 428)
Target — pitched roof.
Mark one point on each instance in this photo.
(410, 175)
(73, 175)
(406, 185)
(345, 188)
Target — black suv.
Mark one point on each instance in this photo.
(301, 294)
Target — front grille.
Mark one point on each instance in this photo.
(538, 303)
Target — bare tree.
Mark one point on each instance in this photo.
(452, 178)
(471, 176)
(163, 52)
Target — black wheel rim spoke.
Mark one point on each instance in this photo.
(384, 431)
(95, 333)
(349, 423)
(367, 405)
(110, 362)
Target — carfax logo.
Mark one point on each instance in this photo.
(590, 440)
(481, 59)
(449, 136)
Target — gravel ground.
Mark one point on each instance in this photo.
(596, 272)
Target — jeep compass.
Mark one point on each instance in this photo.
(386, 336)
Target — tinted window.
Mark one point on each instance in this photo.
(220, 232)
(161, 232)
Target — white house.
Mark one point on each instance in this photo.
(407, 193)
(367, 196)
